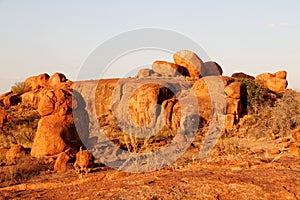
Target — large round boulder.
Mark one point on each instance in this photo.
(190, 61)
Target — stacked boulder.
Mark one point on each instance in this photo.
(56, 130)
(275, 82)
(235, 92)
(36, 83)
(136, 100)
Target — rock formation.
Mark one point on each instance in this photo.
(190, 61)
(56, 129)
(169, 69)
(211, 69)
(161, 97)
(275, 82)
(2, 117)
(14, 153)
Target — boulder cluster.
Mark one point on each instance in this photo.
(156, 98)
(57, 133)
(153, 94)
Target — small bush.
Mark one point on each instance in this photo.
(255, 94)
(280, 118)
(19, 88)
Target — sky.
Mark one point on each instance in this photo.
(59, 35)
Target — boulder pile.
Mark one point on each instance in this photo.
(58, 133)
(155, 98)
(154, 92)
(275, 82)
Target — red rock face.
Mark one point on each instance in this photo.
(56, 129)
(56, 79)
(2, 117)
(275, 84)
(55, 133)
(14, 153)
(104, 96)
(11, 100)
(281, 74)
(138, 102)
(37, 82)
(169, 69)
(235, 90)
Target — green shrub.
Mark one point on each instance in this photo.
(255, 94)
(19, 88)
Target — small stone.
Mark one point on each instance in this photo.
(274, 151)
(286, 144)
(258, 151)
(282, 140)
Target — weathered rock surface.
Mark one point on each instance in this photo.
(190, 61)
(137, 102)
(57, 129)
(234, 106)
(144, 73)
(235, 90)
(56, 79)
(14, 153)
(281, 74)
(11, 100)
(55, 101)
(210, 93)
(296, 136)
(275, 82)
(55, 133)
(37, 82)
(169, 69)
(2, 116)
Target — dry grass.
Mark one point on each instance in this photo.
(20, 88)
(280, 118)
(21, 125)
(25, 168)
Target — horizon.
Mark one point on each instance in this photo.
(48, 37)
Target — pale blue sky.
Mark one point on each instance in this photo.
(47, 36)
